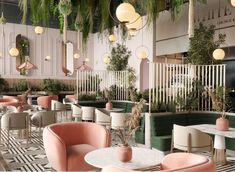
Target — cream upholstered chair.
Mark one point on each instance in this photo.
(43, 118)
(60, 108)
(15, 121)
(76, 112)
(11, 109)
(118, 120)
(102, 118)
(88, 113)
(190, 139)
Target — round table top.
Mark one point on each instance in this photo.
(141, 158)
(115, 110)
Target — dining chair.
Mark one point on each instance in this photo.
(88, 113)
(118, 120)
(190, 139)
(43, 118)
(66, 144)
(60, 109)
(45, 101)
(15, 121)
(102, 119)
(76, 112)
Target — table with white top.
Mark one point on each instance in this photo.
(141, 158)
(219, 140)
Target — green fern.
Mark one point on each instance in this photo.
(23, 5)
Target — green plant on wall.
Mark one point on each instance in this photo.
(119, 58)
(202, 45)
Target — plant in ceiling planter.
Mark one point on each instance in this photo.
(65, 8)
(202, 45)
(119, 58)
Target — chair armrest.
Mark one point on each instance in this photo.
(55, 149)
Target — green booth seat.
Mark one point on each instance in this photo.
(162, 125)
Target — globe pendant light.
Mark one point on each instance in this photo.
(76, 56)
(39, 30)
(125, 12)
(233, 3)
(218, 54)
(14, 52)
(112, 38)
(136, 23)
(106, 58)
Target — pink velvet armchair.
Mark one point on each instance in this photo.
(45, 101)
(177, 162)
(66, 144)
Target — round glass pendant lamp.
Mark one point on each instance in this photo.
(14, 52)
(136, 23)
(125, 12)
(233, 3)
(106, 59)
(38, 30)
(218, 54)
(112, 38)
(48, 58)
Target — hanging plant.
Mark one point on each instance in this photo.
(3, 20)
(65, 8)
(23, 5)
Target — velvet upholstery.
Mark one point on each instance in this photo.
(66, 144)
(45, 101)
(9, 101)
(177, 162)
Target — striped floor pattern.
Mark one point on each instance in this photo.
(22, 157)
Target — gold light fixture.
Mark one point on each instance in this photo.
(125, 12)
(218, 54)
(76, 56)
(48, 58)
(233, 3)
(14, 52)
(39, 30)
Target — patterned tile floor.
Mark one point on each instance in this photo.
(22, 157)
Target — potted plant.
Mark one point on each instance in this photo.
(220, 103)
(108, 94)
(132, 123)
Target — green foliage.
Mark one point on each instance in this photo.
(134, 95)
(51, 86)
(119, 58)
(109, 94)
(23, 5)
(191, 100)
(202, 45)
(3, 20)
(158, 107)
(21, 85)
(65, 7)
(87, 97)
(3, 84)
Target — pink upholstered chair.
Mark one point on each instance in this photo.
(177, 162)
(45, 101)
(66, 144)
(9, 101)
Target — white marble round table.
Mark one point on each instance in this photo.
(141, 158)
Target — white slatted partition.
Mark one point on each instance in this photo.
(91, 82)
(168, 80)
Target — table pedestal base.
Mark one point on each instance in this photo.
(220, 150)
(220, 156)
